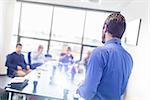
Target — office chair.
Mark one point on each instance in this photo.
(29, 60)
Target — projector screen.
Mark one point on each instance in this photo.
(132, 32)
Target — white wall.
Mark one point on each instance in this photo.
(6, 23)
(139, 82)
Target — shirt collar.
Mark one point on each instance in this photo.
(114, 40)
(17, 53)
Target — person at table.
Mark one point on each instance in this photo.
(86, 59)
(66, 58)
(15, 63)
(37, 57)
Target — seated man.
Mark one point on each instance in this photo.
(16, 63)
(37, 57)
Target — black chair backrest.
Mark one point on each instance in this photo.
(29, 58)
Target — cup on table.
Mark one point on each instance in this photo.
(38, 73)
(35, 86)
(76, 97)
(66, 91)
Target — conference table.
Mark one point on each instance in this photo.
(52, 83)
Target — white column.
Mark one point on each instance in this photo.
(6, 25)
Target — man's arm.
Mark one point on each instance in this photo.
(24, 66)
(9, 63)
(93, 76)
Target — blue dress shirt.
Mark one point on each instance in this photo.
(109, 68)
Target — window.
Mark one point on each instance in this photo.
(32, 44)
(58, 47)
(68, 24)
(87, 49)
(93, 27)
(132, 32)
(58, 27)
(36, 20)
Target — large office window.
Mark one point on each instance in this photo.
(68, 24)
(57, 27)
(93, 27)
(32, 44)
(58, 47)
(87, 49)
(36, 20)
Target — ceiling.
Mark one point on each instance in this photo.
(113, 5)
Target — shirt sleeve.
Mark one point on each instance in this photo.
(93, 76)
(24, 65)
(9, 63)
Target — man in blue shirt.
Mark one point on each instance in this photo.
(16, 63)
(109, 66)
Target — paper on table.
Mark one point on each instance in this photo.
(18, 80)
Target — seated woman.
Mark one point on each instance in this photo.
(37, 57)
(66, 58)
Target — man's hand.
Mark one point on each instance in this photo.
(28, 67)
(19, 68)
(28, 70)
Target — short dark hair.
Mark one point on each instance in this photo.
(18, 44)
(69, 48)
(116, 24)
(40, 47)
